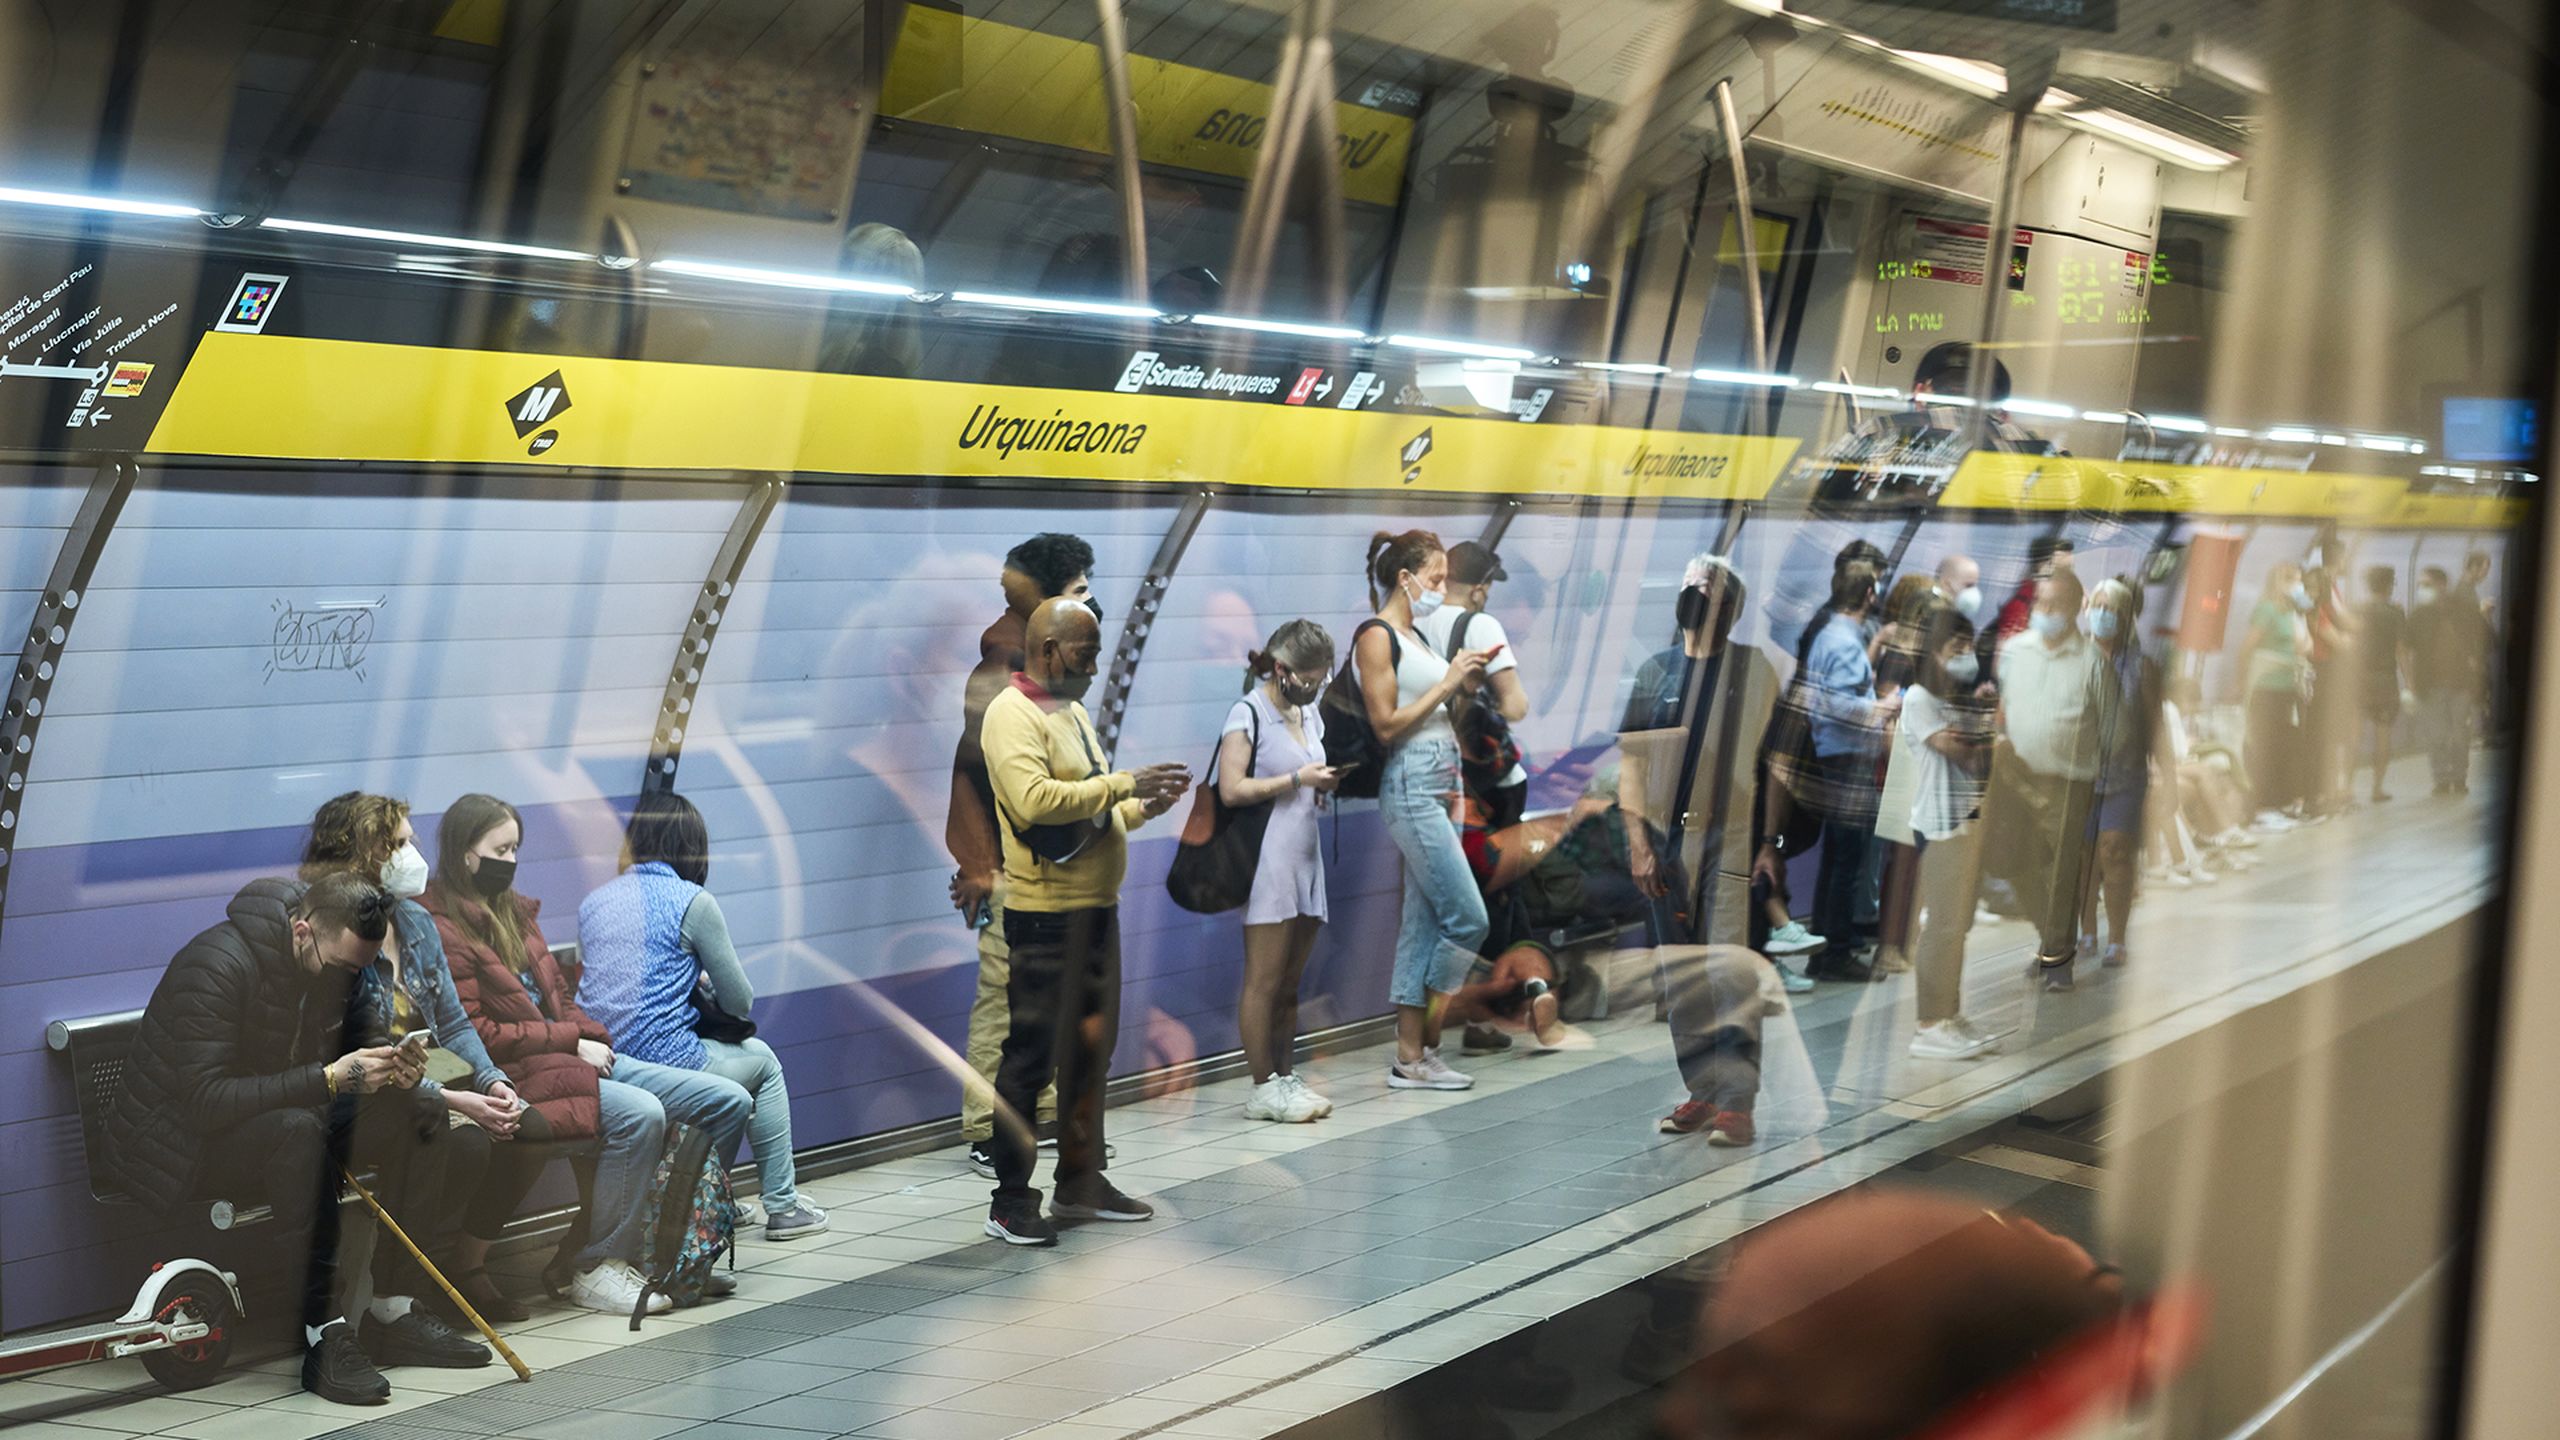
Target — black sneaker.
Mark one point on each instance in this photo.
(1483, 1040)
(1098, 1199)
(419, 1338)
(982, 1157)
(337, 1371)
(1021, 1225)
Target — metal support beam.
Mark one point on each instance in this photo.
(693, 652)
(1122, 114)
(1141, 619)
(1755, 308)
(48, 633)
(1495, 528)
(2027, 85)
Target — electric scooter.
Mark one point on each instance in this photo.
(180, 1327)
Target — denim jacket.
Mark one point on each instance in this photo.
(429, 982)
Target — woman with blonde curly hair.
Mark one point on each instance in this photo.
(370, 836)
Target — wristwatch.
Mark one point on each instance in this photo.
(1774, 842)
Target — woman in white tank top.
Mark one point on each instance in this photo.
(1408, 688)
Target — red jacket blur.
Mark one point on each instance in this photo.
(534, 1038)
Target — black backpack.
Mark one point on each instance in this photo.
(1350, 741)
(1486, 749)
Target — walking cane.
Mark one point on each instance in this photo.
(522, 1373)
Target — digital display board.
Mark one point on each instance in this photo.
(2070, 14)
(2492, 429)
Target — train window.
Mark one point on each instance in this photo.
(1741, 719)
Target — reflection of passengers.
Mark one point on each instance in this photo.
(1690, 741)
(1918, 447)
(256, 1070)
(1945, 736)
(1832, 761)
(1276, 733)
(875, 335)
(2057, 700)
(1043, 567)
(562, 1062)
(649, 939)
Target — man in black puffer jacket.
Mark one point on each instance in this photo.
(245, 1081)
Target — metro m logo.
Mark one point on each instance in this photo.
(534, 407)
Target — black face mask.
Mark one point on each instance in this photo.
(1298, 690)
(493, 877)
(1095, 606)
(1068, 686)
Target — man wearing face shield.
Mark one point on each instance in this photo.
(1063, 817)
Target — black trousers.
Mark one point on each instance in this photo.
(1064, 994)
(289, 1160)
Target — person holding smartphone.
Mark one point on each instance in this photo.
(1064, 816)
(1407, 687)
(370, 837)
(1272, 753)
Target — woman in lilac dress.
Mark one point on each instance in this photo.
(1271, 751)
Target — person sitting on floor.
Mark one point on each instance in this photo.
(252, 1078)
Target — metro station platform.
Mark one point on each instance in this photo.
(1300, 1277)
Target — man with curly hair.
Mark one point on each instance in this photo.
(1047, 566)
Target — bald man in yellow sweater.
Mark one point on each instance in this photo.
(1064, 820)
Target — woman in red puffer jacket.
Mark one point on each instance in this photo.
(525, 1006)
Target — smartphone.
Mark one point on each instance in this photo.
(418, 1040)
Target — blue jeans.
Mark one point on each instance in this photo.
(638, 1101)
(1444, 917)
(753, 1065)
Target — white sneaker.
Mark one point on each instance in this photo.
(1323, 1105)
(2275, 822)
(1947, 1040)
(1277, 1099)
(1428, 1073)
(1263, 1101)
(612, 1288)
(1793, 939)
(1990, 1038)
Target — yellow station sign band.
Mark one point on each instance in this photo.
(1991, 480)
(997, 79)
(281, 397)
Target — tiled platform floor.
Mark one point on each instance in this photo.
(1296, 1268)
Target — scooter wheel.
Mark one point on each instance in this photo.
(193, 1364)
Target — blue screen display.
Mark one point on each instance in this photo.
(2479, 427)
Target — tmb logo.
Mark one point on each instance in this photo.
(534, 407)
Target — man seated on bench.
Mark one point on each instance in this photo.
(247, 1082)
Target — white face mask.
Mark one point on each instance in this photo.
(1969, 602)
(1424, 602)
(1964, 669)
(2048, 626)
(405, 873)
(2429, 594)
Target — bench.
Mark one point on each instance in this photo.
(96, 1047)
